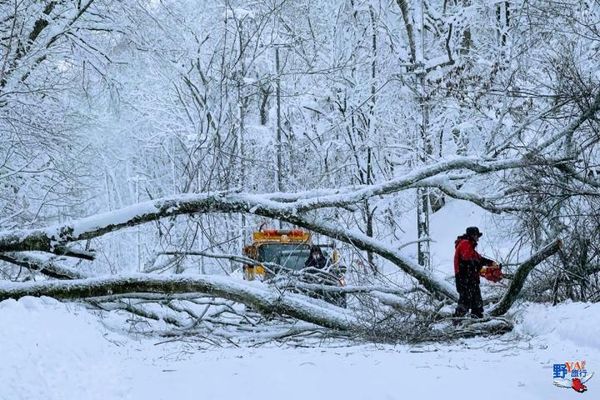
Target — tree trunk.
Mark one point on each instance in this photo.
(512, 294)
(266, 300)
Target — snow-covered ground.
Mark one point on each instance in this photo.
(52, 350)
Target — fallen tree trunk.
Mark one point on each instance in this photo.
(44, 265)
(472, 328)
(291, 207)
(262, 298)
(273, 205)
(430, 282)
(512, 294)
(48, 239)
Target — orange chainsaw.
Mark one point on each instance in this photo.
(492, 272)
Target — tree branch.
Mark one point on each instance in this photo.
(512, 294)
(44, 265)
(571, 128)
(53, 239)
(262, 298)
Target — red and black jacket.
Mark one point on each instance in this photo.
(466, 255)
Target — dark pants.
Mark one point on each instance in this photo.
(469, 293)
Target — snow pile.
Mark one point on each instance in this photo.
(57, 351)
(512, 366)
(51, 350)
(575, 322)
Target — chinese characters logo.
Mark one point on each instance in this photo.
(571, 375)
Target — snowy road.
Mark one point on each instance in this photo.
(54, 351)
(476, 369)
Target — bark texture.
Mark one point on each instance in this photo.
(512, 294)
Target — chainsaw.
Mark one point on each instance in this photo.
(492, 272)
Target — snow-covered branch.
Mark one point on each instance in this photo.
(417, 178)
(260, 297)
(52, 239)
(486, 202)
(571, 128)
(47, 265)
(512, 294)
(364, 242)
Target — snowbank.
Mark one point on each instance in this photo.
(60, 351)
(575, 322)
(514, 366)
(50, 350)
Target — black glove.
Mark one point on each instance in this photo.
(486, 261)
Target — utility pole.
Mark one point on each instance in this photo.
(279, 167)
(425, 148)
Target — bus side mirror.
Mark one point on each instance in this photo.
(250, 252)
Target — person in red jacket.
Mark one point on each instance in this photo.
(467, 266)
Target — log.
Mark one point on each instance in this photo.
(521, 275)
(44, 265)
(262, 298)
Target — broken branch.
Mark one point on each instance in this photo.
(512, 294)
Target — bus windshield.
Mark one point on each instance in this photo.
(291, 256)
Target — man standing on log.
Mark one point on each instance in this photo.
(467, 267)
